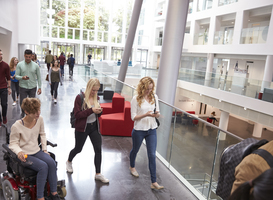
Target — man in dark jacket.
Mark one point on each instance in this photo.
(71, 65)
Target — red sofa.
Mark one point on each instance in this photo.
(117, 105)
(117, 124)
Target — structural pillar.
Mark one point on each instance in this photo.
(171, 52)
(210, 58)
(223, 124)
(268, 73)
(130, 40)
(257, 131)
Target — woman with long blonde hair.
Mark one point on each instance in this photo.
(14, 82)
(87, 110)
(144, 110)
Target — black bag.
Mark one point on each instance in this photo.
(68, 61)
(157, 121)
(72, 114)
(231, 157)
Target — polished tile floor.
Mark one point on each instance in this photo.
(115, 159)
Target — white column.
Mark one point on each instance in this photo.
(81, 61)
(223, 124)
(210, 58)
(66, 19)
(257, 131)
(238, 26)
(268, 73)
(130, 40)
(269, 39)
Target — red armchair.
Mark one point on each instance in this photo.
(117, 124)
(209, 120)
(117, 105)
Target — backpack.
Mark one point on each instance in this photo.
(72, 114)
(232, 156)
(68, 61)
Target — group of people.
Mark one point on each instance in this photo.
(87, 110)
(50, 59)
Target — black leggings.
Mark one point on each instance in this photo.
(14, 88)
(54, 89)
(95, 137)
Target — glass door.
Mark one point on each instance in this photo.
(142, 55)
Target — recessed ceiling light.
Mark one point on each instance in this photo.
(245, 108)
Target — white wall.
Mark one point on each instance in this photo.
(8, 29)
(19, 24)
(29, 22)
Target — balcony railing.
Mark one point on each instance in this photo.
(201, 38)
(226, 2)
(223, 37)
(254, 35)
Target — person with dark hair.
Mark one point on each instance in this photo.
(260, 188)
(4, 88)
(212, 116)
(24, 141)
(89, 56)
(54, 79)
(48, 59)
(62, 61)
(144, 110)
(36, 60)
(71, 65)
(14, 82)
(28, 72)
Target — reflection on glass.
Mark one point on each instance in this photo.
(77, 34)
(70, 34)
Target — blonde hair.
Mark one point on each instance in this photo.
(142, 86)
(90, 84)
(31, 105)
(11, 64)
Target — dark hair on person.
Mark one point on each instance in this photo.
(49, 51)
(262, 188)
(31, 105)
(28, 52)
(71, 55)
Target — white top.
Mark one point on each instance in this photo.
(145, 123)
(26, 139)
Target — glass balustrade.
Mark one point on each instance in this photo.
(223, 37)
(188, 145)
(254, 35)
(201, 38)
(226, 2)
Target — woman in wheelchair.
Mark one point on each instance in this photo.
(23, 141)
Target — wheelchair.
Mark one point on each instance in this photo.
(19, 182)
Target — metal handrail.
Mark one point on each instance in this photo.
(203, 121)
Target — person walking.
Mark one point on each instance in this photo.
(71, 65)
(87, 110)
(4, 88)
(24, 140)
(62, 61)
(54, 79)
(28, 73)
(14, 82)
(48, 59)
(143, 113)
(89, 58)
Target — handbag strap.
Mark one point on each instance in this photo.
(155, 104)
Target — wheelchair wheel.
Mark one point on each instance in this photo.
(9, 192)
(61, 191)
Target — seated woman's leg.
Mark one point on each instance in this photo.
(52, 170)
(42, 168)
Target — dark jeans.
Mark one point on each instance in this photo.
(62, 69)
(71, 70)
(4, 102)
(151, 142)
(46, 168)
(48, 66)
(95, 137)
(54, 89)
(15, 88)
(24, 93)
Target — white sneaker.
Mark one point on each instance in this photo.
(69, 167)
(55, 101)
(14, 104)
(101, 178)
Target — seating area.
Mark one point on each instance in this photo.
(116, 117)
